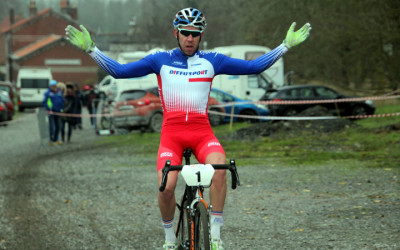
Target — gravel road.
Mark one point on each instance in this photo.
(83, 196)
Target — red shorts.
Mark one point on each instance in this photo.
(178, 134)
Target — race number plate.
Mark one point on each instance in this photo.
(198, 174)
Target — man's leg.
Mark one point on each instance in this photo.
(166, 203)
(218, 186)
(217, 195)
(51, 128)
(57, 122)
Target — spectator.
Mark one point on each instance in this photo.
(53, 101)
(61, 86)
(79, 96)
(71, 106)
(91, 101)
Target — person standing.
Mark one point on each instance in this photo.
(53, 101)
(62, 87)
(79, 97)
(90, 98)
(71, 106)
(185, 76)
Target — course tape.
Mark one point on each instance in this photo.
(275, 102)
(283, 102)
(304, 117)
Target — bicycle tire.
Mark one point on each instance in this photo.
(202, 228)
(105, 122)
(183, 235)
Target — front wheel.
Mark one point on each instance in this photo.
(202, 228)
(105, 122)
(183, 231)
(359, 110)
(156, 122)
(248, 112)
(290, 112)
(215, 119)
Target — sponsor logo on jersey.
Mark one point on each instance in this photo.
(188, 73)
(214, 143)
(196, 64)
(166, 154)
(177, 63)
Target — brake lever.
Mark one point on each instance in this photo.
(234, 174)
(164, 179)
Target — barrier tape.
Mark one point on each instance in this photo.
(283, 102)
(275, 102)
(305, 117)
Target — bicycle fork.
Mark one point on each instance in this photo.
(190, 211)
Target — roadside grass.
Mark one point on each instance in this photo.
(368, 145)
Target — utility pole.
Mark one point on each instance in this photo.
(9, 49)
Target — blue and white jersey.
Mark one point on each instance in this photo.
(185, 81)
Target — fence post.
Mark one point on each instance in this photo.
(43, 125)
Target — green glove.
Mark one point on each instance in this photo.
(80, 39)
(295, 38)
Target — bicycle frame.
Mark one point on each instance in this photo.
(193, 195)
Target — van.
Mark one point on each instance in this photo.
(32, 83)
(249, 87)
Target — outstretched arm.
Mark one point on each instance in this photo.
(232, 66)
(82, 40)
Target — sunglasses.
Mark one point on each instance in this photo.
(194, 33)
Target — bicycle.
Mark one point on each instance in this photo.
(193, 228)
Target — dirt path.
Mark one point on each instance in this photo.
(81, 196)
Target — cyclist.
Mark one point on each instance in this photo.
(184, 78)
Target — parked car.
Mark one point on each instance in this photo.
(3, 114)
(111, 88)
(138, 108)
(315, 92)
(241, 107)
(5, 98)
(7, 86)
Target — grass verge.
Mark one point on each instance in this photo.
(369, 144)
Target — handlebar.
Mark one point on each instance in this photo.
(231, 167)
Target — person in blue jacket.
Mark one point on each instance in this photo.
(53, 101)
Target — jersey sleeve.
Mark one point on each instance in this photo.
(115, 69)
(233, 66)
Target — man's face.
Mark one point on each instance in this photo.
(53, 88)
(188, 43)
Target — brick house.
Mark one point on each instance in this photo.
(38, 41)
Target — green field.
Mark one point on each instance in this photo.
(371, 144)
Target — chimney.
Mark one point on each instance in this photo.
(67, 9)
(32, 8)
(12, 17)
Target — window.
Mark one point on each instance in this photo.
(35, 83)
(306, 93)
(326, 93)
(4, 98)
(132, 95)
(258, 81)
(253, 55)
(106, 82)
(221, 97)
(154, 91)
(5, 88)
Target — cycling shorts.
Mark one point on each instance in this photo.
(179, 134)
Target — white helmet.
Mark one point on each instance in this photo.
(190, 17)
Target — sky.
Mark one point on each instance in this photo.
(96, 14)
